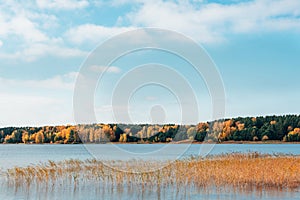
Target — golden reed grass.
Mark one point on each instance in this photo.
(250, 170)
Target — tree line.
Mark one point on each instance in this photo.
(282, 128)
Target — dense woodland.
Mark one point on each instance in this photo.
(282, 128)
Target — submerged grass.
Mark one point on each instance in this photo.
(239, 171)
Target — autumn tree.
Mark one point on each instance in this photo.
(191, 132)
(39, 138)
(25, 137)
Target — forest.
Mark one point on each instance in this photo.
(281, 128)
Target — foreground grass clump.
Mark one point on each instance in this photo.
(254, 171)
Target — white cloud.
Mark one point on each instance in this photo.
(23, 27)
(45, 21)
(37, 102)
(34, 110)
(64, 5)
(59, 82)
(107, 69)
(38, 50)
(212, 22)
(26, 30)
(93, 33)
(1, 43)
(205, 22)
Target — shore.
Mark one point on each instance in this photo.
(177, 142)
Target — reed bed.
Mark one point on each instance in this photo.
(239, 171)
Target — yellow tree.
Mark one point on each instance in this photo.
(32, 137)
(123, 137)
(191, 132)
(39, 137)
(108, 132)
(25, 137)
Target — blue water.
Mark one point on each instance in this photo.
(23, 155)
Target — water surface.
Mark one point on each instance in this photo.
(23, 155)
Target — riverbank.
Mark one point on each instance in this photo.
(177, 142)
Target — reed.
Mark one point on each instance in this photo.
(243, 171)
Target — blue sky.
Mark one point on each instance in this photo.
(255, 45)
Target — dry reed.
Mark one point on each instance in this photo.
(252, 171)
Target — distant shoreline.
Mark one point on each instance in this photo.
(240, 130)
(172, 143)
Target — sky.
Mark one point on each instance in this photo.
(255, 45)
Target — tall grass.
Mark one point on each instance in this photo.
(238, 171)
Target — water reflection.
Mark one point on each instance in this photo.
(90, 190)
